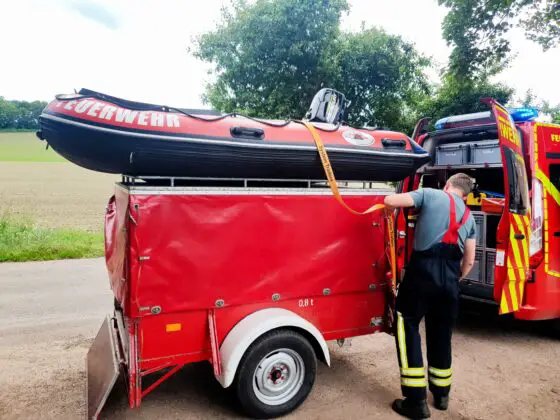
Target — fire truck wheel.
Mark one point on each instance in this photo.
(276, 374)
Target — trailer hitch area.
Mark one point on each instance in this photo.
(103, 366)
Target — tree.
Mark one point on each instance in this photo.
(545, 107)
(268, 55)
(382, 75)
(455, 97)
(476, 29)
(20, 114)
(8, 114)
(271, 57)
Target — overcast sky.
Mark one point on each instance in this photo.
(137, 49)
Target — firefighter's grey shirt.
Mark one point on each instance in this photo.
(433, 218)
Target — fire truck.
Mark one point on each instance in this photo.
(515, 161)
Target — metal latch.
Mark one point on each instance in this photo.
(402, 234)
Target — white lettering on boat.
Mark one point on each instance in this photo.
(95, 109)
(69, 105)
(157, 119)
(108, 112)
(142, 118)
(172, 120)
(103, 111)
(126, 115)
(82, 106)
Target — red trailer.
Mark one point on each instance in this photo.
(253, 276)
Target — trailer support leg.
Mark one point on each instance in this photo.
(134, 379)
(160, 380)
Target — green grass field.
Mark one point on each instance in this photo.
(49, 208)
(25, 147)
(21, 240)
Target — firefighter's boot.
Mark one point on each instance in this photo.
(441, 403)
(412, 409)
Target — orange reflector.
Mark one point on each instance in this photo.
(172, 327)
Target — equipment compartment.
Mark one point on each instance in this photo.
(480, 220)
(452, 154)
(486, 151)
(490, 263)
(476, 274)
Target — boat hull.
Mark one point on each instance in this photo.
(92, 143)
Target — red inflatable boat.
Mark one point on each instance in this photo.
(109, 134)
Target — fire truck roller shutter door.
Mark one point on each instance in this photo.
(255, 325)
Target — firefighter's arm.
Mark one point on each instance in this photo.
(468, 257)
(399, 200)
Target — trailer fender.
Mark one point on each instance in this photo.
(246, 331)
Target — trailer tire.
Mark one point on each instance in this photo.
(276, 374)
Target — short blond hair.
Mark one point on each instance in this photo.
(462, 182)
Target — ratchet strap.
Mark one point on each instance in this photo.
(336, 192)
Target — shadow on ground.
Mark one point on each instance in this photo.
(481, 320)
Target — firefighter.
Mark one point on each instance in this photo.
(443, 253)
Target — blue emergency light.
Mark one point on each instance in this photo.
(523, 114)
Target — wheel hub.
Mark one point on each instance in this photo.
(278, 377)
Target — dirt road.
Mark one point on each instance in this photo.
(50, 311)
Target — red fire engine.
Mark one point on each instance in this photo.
(255, 276)
(515, 161)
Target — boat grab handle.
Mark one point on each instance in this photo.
(247, 132)
(396, 143)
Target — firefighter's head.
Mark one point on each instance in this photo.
(460, 183)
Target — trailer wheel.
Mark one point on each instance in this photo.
(276, 374)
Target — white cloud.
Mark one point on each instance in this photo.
(96, 12)
(137, 49)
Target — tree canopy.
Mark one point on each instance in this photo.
(476, 30)
(20, 115)
(271, 57)
(456, 97)
(382, 75)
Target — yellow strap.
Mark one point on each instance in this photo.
(330, 174)
(334, 188)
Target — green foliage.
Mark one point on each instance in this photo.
(25, 147)
(461, 97)
(21, 241)
(542, 24)
(271, 57)
(382, 75)
(476, 30)
(545, 107)
(268, 56)
(20, 115)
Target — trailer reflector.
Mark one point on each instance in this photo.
(173, 327)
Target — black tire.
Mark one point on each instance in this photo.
(244, 387)
(555, 327)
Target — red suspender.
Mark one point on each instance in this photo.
(452, 234)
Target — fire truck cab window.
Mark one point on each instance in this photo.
(517, 182)
(555, 174)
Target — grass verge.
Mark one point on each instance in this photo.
(21, 241)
